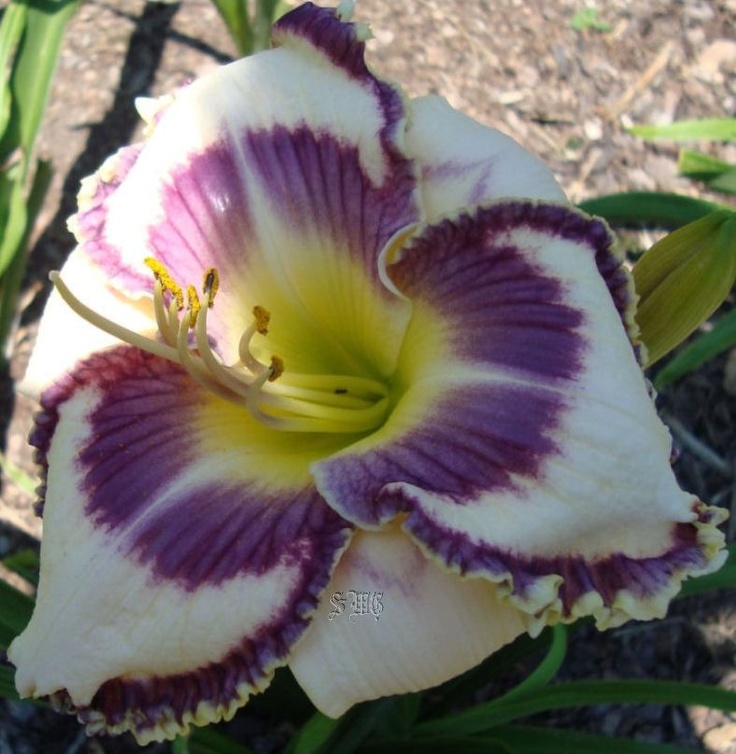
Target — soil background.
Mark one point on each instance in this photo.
(566, 93)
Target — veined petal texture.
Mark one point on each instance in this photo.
(181, 560)
(525, 447)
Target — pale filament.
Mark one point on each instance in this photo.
(287, 401)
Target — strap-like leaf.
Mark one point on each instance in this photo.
(649, 208)
(579, 694)
(712, 129)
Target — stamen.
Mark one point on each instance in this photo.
(277, 368)
(167, 282)
(197, 370)
(262, 317)
(282, 400)
(211, 285)
(194, 305)
(159, 308)
(239, 383)
(111, 328)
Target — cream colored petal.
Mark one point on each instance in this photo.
(184, 549)
(64, 338)
(392, 622)
(464, 163)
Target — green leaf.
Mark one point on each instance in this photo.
(399, 717)
(15, 612)
(346, 735)
(705, 347)
(16, 216)
(17, 475)
(235, 15)
(180, 745)
(30, 81)
(649, 208)
(545, 671)
(34, 67)
(524, 739)
(313, 735)
(712, 129)
(725, 182)
(579, 694)
(683, 279)
(587, 18)
(11, 280)
(25, 563)
(265, 15)
(7, 683)
(701, 166)
(11, 30)
(724, 578)
(719, 175)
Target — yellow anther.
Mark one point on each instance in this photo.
(167, 282)
(194, 305)
(277, 368)
(210, 285)
(262, 317)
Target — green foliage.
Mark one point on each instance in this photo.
(724, 578)
(250, 31)
(692, 271)
(712, 129)
(17, 475)
(683, 279)
(636, 209)
(30, 38)
(720, 338)
(693, 268)
(588, 18)
(485, 717)
(718, 175)
(15, 612)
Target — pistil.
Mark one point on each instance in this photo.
(274, 396)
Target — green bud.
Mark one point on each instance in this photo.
(683, 279)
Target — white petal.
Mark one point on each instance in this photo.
(64, 338)
(420, 625)
(465, 163)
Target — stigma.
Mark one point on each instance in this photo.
(273, 395)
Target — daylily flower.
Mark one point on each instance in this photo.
(336, 349)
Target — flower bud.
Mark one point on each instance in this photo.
(683, 279)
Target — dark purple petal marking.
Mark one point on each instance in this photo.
(506, 312)
(475, 441)
(142, 439)
(91, 218)
(644, 578)
(311, 178)
(338, 42)
(556, 219)
(313, 181)
(142, 434)
(316, 180)
(451, 169)
(206, 216)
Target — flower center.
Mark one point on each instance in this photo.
(274, 396)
